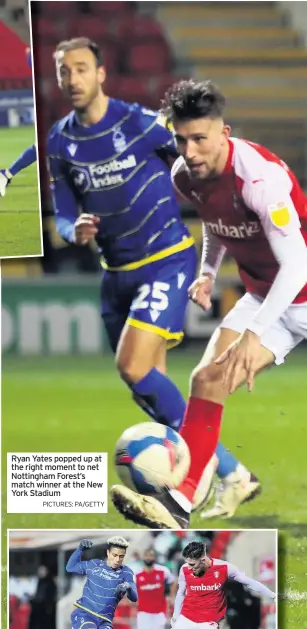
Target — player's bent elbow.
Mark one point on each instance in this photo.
(70, 567)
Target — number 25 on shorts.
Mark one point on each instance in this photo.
(151, 296)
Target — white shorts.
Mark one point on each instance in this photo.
(185, 623)
(282, 336)
(150, 621)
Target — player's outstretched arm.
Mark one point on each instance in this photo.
(179, 596)
(74, 563)
(253, 585)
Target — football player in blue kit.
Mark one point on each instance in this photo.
(107, 582)
(110, 181)
(24, 160)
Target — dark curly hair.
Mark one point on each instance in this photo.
(194, 550)
(188, 100)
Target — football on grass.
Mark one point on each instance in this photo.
(151, 458)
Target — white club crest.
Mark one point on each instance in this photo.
(119, 140)
(72, 148)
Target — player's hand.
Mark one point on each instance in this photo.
(85, 228)
(242, 355)
(122, 589)
(201, 289)
(85, 543)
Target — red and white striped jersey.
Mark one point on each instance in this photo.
(255, 200)
(203, 599)
(151, 588)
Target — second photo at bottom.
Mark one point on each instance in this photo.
(129, 579)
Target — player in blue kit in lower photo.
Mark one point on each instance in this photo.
(106, 584)
(110, 181)
(24, 160)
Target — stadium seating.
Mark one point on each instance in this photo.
(90, 25)
(140, 28)
(252, 52)
(44, 29)
(136, 52)
(130, 88)
(52, 8)
(13, 64)
(151, 58)
(112, 9)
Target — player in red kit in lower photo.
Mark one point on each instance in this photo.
(253, 207)
(201, 600)
(154, 584)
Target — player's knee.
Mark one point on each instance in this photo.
(206, 380)
(129, 369)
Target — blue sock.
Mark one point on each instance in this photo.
(160, 398)
(227, 462)
(24, 160)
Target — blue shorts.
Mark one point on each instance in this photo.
(83, 620)
(153, 297)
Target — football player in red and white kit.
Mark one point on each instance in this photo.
(154, 583)
(251, 206)
(201, 601)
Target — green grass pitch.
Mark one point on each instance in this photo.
(79, 404)
(19, 209)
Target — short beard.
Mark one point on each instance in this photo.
(201, 571)
(211, 174)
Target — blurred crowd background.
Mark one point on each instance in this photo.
(255, 51)
(250, 49)
(41, 593)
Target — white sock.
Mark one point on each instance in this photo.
(182, 500)
(243, 471)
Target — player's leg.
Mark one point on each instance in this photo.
(160, 621)
(237, 484)
(138, 353)
(81, 620)
(144, 621)
(208, 393)
(155, 321)
(204, 414)
(24, 160)
(135, 346)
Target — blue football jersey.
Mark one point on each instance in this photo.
(98, 597)
(114, 169)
